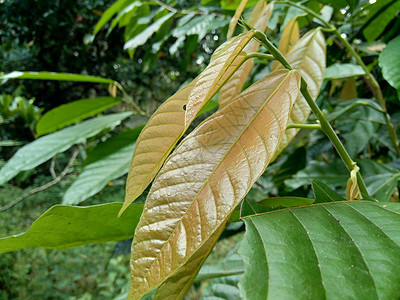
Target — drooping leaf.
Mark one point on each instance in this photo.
(290, 36)
(225, 60)
(235, 18)
(339, 71)
(96, 175)
(307, 56)
(54, 76)
(107, 15)
(142, 37)
(44, 148)
(176, 286)
(388, 61)
(169, 122)
(72, 112)
(259, 20)
(299, 252)
(64, 227)
(206, 177)
(381, 14)
(324, 194)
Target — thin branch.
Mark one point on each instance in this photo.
(52, 164)
(45, 186)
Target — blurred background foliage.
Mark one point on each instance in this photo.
(151, 64)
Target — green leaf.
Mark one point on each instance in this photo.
(142, 37)
(223, 288)
(324, 194)
(55, 76)
(9, 143)
(381, 14)
(72, 112)
(44, 148)
(385, 191)
(389, 62)
(325, 251)
(64, 227)
(338, 71)
(107, 15)
(109, 162)
(231, 265)
(233, 4)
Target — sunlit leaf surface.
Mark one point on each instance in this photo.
(206, 177)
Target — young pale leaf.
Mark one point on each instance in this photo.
(307, 56)
(259, 20)
(72, 112)
(290, 36)
(44, 148)
(64, 227)
(235, 18)
(168, 124)
(176, 286)
(55, 76)
(206, 177)
(96, 175)
(389, 62)
(352, 189)
(299, 252)
(224, 62)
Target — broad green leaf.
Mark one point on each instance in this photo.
(389, 62)
(72, 112)
(238, 12)
(176, 286)
(96, 175)
(307, 56)
(107, 15)
(386, 190)
(142, 37)
(64, 227)
(259, 20)
(381, 14)
(324, 194)
(168, 124)
(233, 4)
(358, 138)
(225, 61)
(55, 76)
(290, 36)
(223, 288)
(206, 177)
(339, 71)
(340, 250)
(44, 148)
(124, 16)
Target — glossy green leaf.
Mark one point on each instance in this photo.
(207, 176)
(103, 169)
(327, 251)
(108, 14)
(324, 194)
(381, 13)
(142, 37)
(72, 112)
(55, 76)
(389, 62)
(339, 71)
(64, 227)
(44, 148)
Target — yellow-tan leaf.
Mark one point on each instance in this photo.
(176, 286)
(169, 122)
(225, 60)
(308, 56)
(208, 174)
(258, 19)
(349, 90)
(290, 36)
(156, 142)
(352, 189)
(235, 18)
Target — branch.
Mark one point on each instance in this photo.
(45, 186)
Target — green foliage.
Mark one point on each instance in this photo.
(208, 164)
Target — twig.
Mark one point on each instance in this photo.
(45, 186)
(52, 164)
